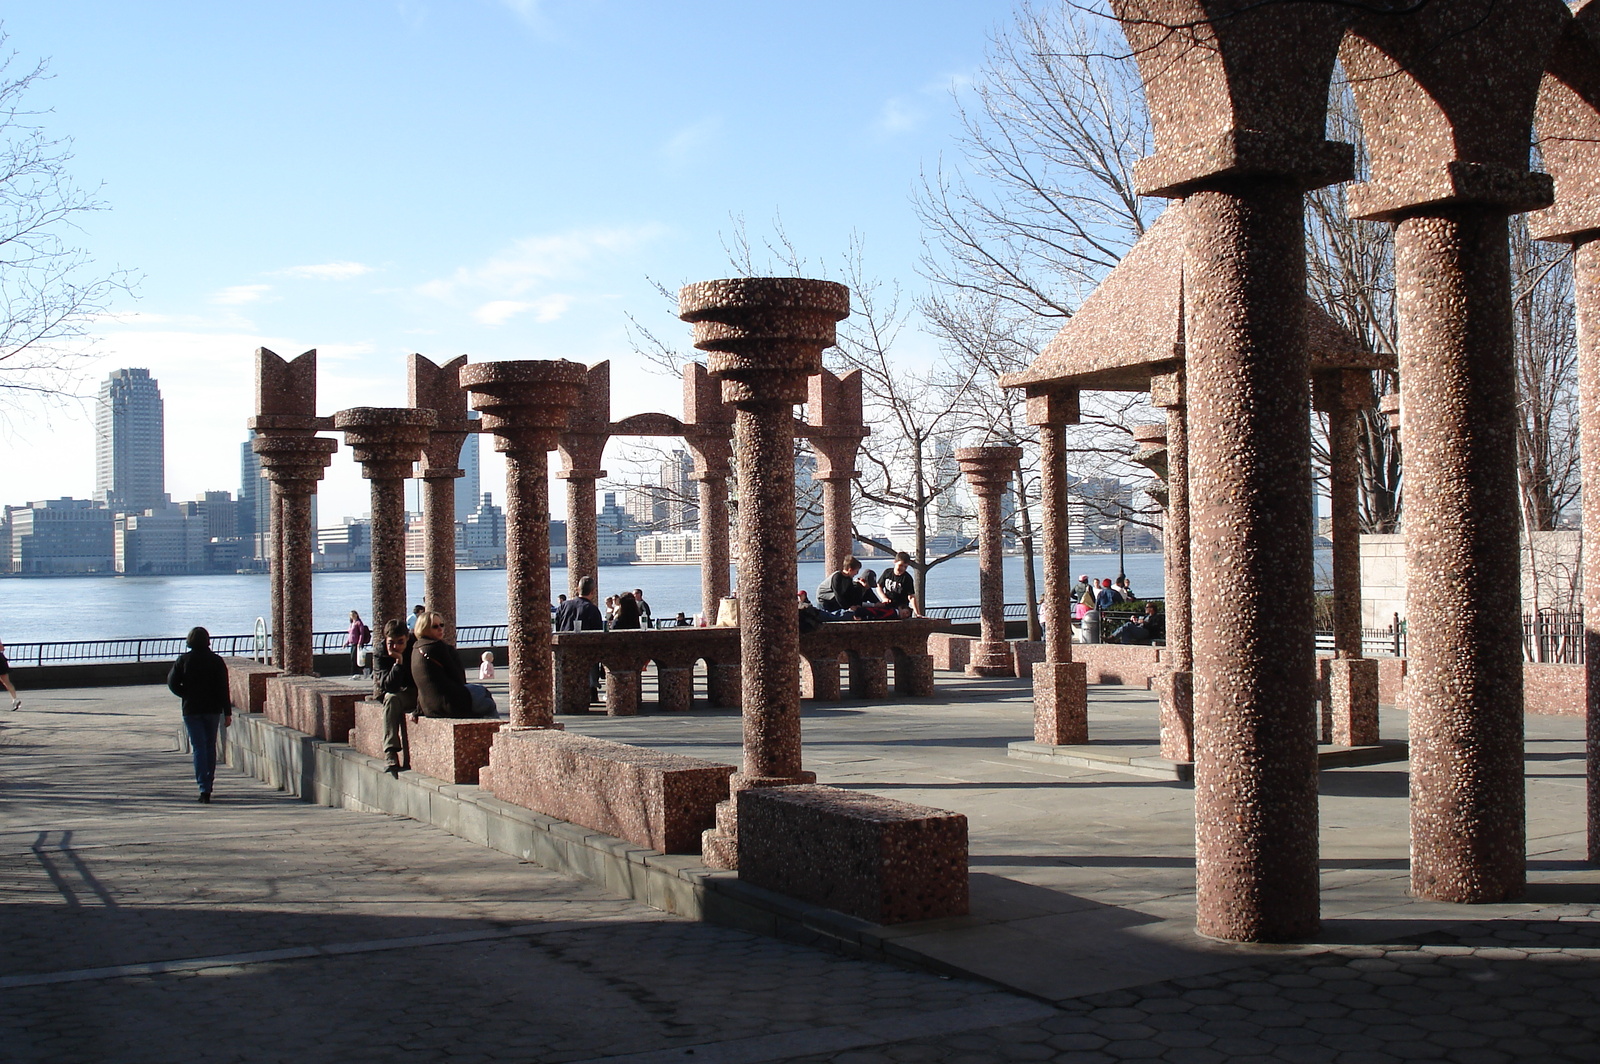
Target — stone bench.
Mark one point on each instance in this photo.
(674, 652)
(1114, 663)
(447, 748)
(880, 859)
(870, 647)
(951, 652)
(320, 708)
(247, 684)
(650, 798)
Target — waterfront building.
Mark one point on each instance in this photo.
(616, 532)
(668, 548)
(165, 540)
(61, 536)
(808, 534)
(345, 546)
(679, 492)
(130, 449)
(484, 534)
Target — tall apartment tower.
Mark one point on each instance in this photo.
(469, 487)
(680, 491)
(130, 448)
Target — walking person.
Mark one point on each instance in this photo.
(359, 636)
(5, 678)
(200, 678)
(645, 619)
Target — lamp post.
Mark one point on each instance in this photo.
(1122, 557)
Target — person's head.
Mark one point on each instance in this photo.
(611, 600)
(1149, 609)
(681, 617)
(586, 587)
(394, 637)
(851, 566)
(1122, 578)
(416, 611)
(638, 593)
(488, 657)
(428, 625)
(198, 639)
(901, 561)
(805, 599)
(561, 598)
(1083, 579)
(354, 616)
(869, 578)
(1105, 583)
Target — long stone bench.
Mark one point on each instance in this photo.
(446, 748)
(321, 708)
(883, 860)
(651, 798)
(870, 647)
(247, 683)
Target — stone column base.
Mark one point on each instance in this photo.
(869, 676)
(1176, 691)
(719, 846)
(1060, 703)
(674, 688)
(991, 659)
(913, 675)
(819, 678)
(1353, 700)
(622, 692)
(723, 684)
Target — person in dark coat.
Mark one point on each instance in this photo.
(627, 613)
(399, 693)
(200, 678)
(440, 678)
(582, 615)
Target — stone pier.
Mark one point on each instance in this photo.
(1060, 688)
(835, 431)
(582, 446)
(293, 458)
(526, 405)
(1449, 195)
(988, 470)
(708, 431)
(438, 388)
(1568, 119)
(387, 441)
(765, 337)
(1175, 686)
(1350, 717)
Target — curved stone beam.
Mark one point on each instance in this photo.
(648, 425)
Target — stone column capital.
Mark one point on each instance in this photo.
(765, 335)
(294, 463)
(387, 441)
(1053, 406)
(989, 469)
(525, 404)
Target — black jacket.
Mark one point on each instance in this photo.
(578, 615)
(441, 680)
(200, 678)
(397, 677)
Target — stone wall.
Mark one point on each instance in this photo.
(1549, 575)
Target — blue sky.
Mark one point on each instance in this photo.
(499, 178)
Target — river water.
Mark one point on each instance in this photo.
(52, 609)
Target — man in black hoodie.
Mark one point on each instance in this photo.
(200, 678)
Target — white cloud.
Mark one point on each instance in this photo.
(529, 11)
(240, 294)
(691, 140)
(515, 272)
(328, 271)
(899, 115)
(546, 309)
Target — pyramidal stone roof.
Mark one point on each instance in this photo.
(1131, 327)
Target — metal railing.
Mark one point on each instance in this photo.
(166, 648)
(1554, 636)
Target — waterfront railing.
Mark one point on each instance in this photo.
(166, 648)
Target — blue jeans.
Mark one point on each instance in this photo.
(202, 728)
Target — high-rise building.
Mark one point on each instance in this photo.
(61, 536)
(130, 449)
(469, 487)
(679, 492)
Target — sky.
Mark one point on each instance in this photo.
(497, 178)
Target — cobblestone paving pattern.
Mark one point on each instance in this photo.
(405, 943)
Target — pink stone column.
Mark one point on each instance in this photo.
(988, 470)
(438, 388)
(712, 458)
(1586, 271)
(526, 406)
(1463, 575)
(583, 526)
(275, 569)
(387, 441)
(1175, 686)
(295, 464)
(1060, 687)
(583, 448)
(765, 337)
(1250, 491)
(838, 536)
(1352, 691)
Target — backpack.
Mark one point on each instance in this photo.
(366, 635)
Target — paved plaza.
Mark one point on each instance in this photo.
(139, 925)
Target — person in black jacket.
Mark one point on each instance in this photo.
(200, 678)
(399, 692)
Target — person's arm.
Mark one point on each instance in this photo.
(227, 695)
(175, 676)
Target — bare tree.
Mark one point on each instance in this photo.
(49, 289)
(1547, 377)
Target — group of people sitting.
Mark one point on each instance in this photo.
(424, 677)
(853, 595)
